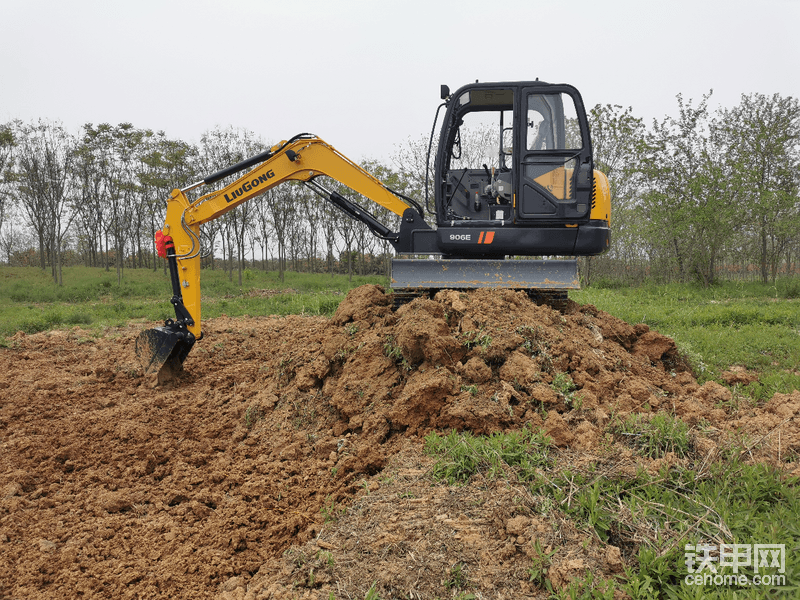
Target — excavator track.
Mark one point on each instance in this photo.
(555, 299)
(399, 298)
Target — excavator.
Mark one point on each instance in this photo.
(513, 178)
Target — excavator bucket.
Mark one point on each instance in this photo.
(162, 350)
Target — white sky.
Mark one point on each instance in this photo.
(364, 75)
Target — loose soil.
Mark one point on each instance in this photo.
(287, 460)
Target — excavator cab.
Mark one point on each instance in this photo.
(513, 178)
(517, 157)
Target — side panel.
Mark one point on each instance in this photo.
(520, 241)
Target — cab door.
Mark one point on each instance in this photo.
(554, 165)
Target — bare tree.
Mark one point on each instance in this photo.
(12, 239)
(6, 171)
(108, 171)
(311, 207)
(45, 187)
(281, 209)
(262, 223)
(221, 148)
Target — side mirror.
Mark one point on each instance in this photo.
(444, 92)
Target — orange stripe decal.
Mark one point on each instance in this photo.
(480, 238)
(489, 237)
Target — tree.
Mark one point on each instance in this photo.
(395, 181)
(281, 208)
(762, 139)
(618, 144)
(91, 207)
(221, 148)
(12, 240)
(689, 203)
(329, 229)
(165, 165)
(313, 207)
(7, 145)
(110, 160)
(45, 187)
(414, 172)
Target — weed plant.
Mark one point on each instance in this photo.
(462, 455)
(392, 350)
(564, 386)
(654, 436)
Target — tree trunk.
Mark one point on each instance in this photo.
(118, 261)
(41, 252)
(60, 276)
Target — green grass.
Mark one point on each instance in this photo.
(749, 324)
(651, 517)
(463, 454)
(654, 436)
(92, 298)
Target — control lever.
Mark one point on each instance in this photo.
(491, 189)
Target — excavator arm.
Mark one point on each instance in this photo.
(303, 158)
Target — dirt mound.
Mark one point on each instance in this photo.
(233, 480)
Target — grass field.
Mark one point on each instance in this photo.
(92, 299)
(752, 325)
(663, 512)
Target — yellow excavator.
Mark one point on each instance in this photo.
(513, 177)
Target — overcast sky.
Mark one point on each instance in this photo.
(364, 75)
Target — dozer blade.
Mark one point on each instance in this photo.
(556, 275)
(163, 349)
